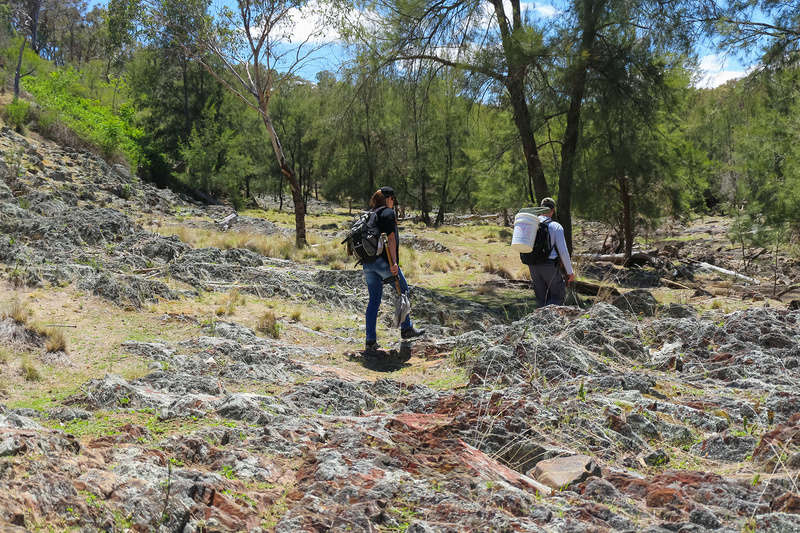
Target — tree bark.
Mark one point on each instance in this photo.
(17, 72)
(447, 170)
(522, 119)
(627, 214)
(515, 85)
(297, 193)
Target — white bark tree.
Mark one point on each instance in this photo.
(257, 46)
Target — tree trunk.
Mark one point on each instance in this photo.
(627, 218)
(570, 145)
(426, 215)
(448, 167)
(19, 69)
(522, 119)
(297, 193)
(184, 77)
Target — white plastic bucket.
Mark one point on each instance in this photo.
(525, 227)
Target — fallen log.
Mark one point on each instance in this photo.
(694, 287)
(724, 271)
(588, 288)
(227, 222)
(787, 290)
(637, 259)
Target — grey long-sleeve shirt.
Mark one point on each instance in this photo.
(559, 243)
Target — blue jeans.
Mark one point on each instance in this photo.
(375, 273)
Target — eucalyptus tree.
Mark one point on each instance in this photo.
(526, 54)
(253, 43)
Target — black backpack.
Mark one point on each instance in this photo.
(363, 240)
(541, 247)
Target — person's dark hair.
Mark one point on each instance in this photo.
(377, 200)
(549, 203)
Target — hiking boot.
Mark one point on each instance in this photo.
(371, 348)
(410, 333)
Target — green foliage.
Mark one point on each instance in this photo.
(16, 114)
(62, 92)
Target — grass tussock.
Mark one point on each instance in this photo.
(490, 267)
(55, 341)
(232, 300)
(16, 311)
(268, 325)
(296, 316)
(413, 262)
(29, 371)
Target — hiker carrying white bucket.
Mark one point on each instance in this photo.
(549, 246)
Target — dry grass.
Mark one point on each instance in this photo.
(29, 371)
(320, 250)
(232, 300)
(268, 324)
(16, 311)
(490, 267)
(56, 342)
(296, 316)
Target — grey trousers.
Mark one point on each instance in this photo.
(548, 284)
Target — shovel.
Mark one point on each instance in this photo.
(402, 305)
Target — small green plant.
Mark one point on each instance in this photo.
(227, 472)
(16, 114)
(582, 393)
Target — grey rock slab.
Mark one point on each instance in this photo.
(778, 523)
(727, 448)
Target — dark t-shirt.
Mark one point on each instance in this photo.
(387, 223)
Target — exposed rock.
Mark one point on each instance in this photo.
(638, 302)
(562, 472)
(728, 448)
(130, 290)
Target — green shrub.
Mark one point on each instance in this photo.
(16, 114)
(64, 99)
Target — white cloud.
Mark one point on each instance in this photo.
(545, 10)
(309, 24)
(713, 72)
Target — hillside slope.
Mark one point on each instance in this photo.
(162, 408)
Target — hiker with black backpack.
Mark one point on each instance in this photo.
(380, 263)
(549, 248)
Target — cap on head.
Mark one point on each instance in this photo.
(387, 192)
(549, 202)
